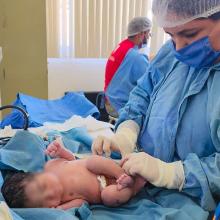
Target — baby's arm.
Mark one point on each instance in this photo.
(101, 165)
(57, 149)
(71, 204)
(104, 166)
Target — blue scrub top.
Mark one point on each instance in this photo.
(125, 79)
(178, 110)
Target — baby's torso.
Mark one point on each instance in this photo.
(78, 182)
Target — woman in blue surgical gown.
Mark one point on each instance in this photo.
(173, 114)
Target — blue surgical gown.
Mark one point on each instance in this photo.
(178, 110)
(133, 66)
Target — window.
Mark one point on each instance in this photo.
(92, 28)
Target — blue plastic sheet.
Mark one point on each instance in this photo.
(151, 203)
(40, 110)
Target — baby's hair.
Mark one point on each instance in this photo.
(13, 189)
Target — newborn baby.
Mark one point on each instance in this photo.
(66, 182)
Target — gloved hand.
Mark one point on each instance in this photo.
(155, 171)
(123, 141)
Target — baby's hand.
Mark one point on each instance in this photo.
(57, 149)
(54, 149)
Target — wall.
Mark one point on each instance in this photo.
(23, 38)
(75, 75)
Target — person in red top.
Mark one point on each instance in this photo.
(126, 65)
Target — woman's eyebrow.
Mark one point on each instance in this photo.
(185, 32)
(188, 31)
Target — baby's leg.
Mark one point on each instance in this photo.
(139, 183)
(136, 182)
(125, 181)
(112, 197)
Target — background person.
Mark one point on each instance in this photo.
(126, 65)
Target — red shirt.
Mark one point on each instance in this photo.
(115, 60)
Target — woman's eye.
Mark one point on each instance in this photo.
(190, 35)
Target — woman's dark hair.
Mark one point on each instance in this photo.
(13, 189)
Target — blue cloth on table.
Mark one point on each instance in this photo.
(77, 140)
(18, 152)
(148, 204)
(138, 208)
(144, 206)
(40, 110)
(44, 214)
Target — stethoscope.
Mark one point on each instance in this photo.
(4, 140)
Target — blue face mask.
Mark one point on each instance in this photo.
(197, 54)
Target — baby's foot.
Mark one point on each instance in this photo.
(124, 181)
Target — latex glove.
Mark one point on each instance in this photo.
(157, 172)
(123, 141)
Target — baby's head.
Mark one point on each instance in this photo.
(29, 190)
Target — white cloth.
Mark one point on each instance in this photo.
(7, 131)
(102, 181)
(4, 212)
(93, 126)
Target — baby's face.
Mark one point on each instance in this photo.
(45, 190)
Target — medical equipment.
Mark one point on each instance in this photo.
(4, 140)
